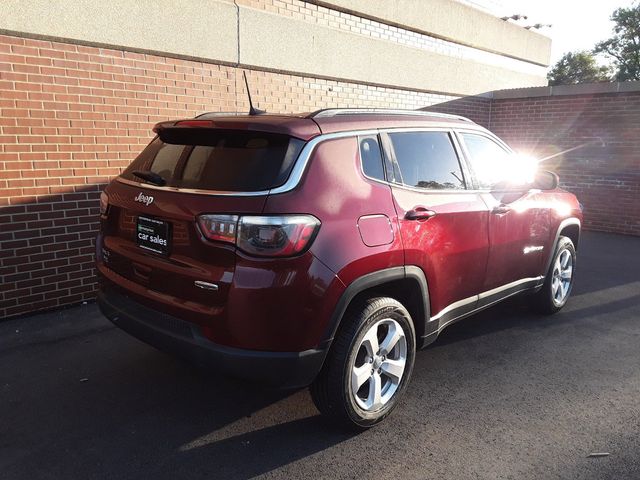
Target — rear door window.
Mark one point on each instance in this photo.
(426, 160)
(221, 161)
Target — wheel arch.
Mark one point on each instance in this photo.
(406, 284)
(569, 227)
(571, 230)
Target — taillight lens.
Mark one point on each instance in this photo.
(276, 236)
(104, 203)
(221, 228)
(267, 236)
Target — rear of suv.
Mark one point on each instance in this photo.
(324, 249)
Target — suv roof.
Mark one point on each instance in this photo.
(310, 124)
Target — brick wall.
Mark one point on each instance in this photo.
(605, 179)
(477, 108)
(72, 117)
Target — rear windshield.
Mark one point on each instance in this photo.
(223, 161)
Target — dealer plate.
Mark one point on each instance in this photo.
(153, 235)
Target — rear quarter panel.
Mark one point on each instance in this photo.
(338, 194)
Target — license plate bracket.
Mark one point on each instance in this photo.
(153, 235)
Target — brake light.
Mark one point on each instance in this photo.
(276, 236)
(104, 203)
(195, 123)
(267, 236)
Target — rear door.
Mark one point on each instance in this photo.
(151, 238)
(518, 220)
(443, 224)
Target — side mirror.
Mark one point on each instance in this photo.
(545, 180)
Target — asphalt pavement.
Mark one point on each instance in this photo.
(504, 394)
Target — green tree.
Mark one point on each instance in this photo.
(577, 67)
(624, 46)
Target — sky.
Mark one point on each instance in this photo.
(577, 25)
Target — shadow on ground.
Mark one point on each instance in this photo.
(503, 394)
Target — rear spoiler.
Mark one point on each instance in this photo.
(193, 131)
(207, 132)
(182, 132)
(182, 124)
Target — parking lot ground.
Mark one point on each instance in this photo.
(504, 394)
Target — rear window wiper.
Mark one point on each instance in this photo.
(150, 176)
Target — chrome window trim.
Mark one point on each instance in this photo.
(299, 168)
(432, 191)
(305, 155)
(191, 190)
(292, 182)
(424, 190)
(418, 189)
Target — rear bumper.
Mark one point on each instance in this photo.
(171, 334)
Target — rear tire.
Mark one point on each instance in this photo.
(559, 279)
(369, 364)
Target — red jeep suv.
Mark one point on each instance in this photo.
(323, 249)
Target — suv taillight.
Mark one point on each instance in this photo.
(267, 236)
(104, 203)
(221, 228)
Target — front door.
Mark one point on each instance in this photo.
(518, 220)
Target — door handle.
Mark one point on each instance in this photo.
(501, 209)
(420, 214)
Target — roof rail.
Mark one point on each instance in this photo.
(333, 112)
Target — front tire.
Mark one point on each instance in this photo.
(558, 282)
(369, 364)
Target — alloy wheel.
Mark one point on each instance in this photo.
(562, 276)
(378, 365)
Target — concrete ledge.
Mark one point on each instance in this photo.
(299, 47)
(521, 92)
(562, 90)
(453, 21)
(219, 31)
(191, 28)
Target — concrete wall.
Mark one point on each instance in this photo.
(321, 51)
(191, 28)
(405, 51)
(456, 22)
